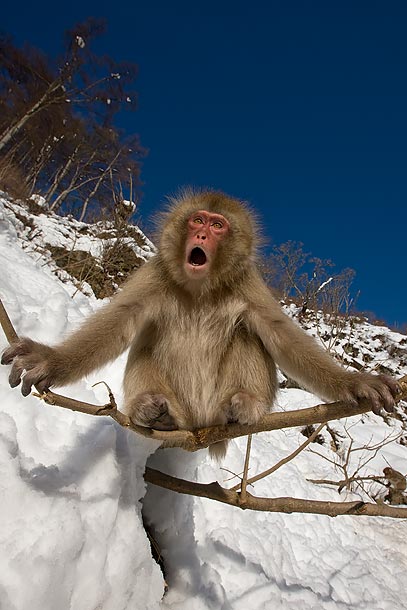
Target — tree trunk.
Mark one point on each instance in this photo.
(96, 187)
(11, 131)
(60, 175)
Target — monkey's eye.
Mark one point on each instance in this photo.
(217, 225)
(198, 221)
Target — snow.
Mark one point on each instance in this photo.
(38, 234)
(129, 204)
(39, 200)
(72, 488)
(80, 42)
(71, 534)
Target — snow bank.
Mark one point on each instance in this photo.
(71, 534)
(222, 557)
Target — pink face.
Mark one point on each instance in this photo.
(205, 231)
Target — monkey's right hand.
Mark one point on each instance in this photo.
(33, 363)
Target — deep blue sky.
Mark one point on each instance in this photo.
(298, 107)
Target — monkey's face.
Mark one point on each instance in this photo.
(205, 232)
(206, 241)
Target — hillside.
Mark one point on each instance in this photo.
(72, 488)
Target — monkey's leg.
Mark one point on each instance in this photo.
(248, 379)
(149, 401)
(247, 384)
(246, 408)
(151, 411)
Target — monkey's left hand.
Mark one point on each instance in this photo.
(380, 390)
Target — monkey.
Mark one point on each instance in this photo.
(204, 332)
(396, 486)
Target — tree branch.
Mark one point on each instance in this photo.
(6, 325)
(214, 491)
(285, 460)
(244, 481)
(343, 482)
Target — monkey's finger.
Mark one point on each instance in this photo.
(15, 374)
(29, 379)
(8, 355)
(383, 391)
(165, 421)
(372, 394)
(382, 400)
(164, 426)
(392, 385)
(18, 348)
(376, 404)
(376, 409)
(388, 398)
(43, 385)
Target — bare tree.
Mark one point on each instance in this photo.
(308, 280)
(79, 79)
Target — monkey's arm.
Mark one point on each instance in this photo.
(302, 359)
(102, 337)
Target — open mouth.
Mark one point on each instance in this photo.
(197, 258)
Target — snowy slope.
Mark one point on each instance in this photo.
(71, 536)
(70, 485)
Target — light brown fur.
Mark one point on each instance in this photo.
(202, 353)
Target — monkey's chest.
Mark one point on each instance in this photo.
(190, 350)
(195, 344)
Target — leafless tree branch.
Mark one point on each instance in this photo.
(343, 483)
(243, 485)
(285, 460)
(214, 491)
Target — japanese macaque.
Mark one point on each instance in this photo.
(397, 485)
(204, 332)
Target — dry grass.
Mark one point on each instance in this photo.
(12, 180)
(104, 275)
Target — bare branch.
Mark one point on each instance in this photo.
(342, 483)
(369, 449)
(214, 491)
(290, 457)
(243, 493)
(6, 325)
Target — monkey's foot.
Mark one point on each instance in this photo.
(245, 409)
(151, 411)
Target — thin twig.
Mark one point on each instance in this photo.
(292, 455)
(342, 483)
(243, 493)
(370, 452)
(234, 474)
(111, 395)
